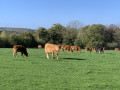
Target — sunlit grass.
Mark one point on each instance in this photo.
(73, 71)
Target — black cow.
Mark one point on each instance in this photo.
(19, 48)
(99, 49)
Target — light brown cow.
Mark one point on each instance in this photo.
(66, 47)
(19, 48)
(51, 48)
(39, 46)
(88, 49)
(117, 49)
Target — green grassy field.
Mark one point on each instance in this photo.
(73, 71)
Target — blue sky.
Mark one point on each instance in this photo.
(44, 13)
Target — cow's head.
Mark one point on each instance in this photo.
(26, 54)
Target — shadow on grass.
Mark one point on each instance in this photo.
(110, 53)
(72, 58)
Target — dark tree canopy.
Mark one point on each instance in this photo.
(73, 34)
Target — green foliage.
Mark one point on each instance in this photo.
(27, 39)
(14, 39)
(55, 34)
(95, 35)
(81, 39)
(69, 36)
(3, 35)
(41, 35)
(112, 45)
(117, 38)
(74, 34)
(1, 43)
(4, 39)
(92, 36)
(57, 27)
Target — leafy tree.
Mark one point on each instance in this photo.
(27, 39)
(95, 35)
(1, 43)
(110, 30)
(112, 45)
(4, 37)
(41, 35)
(69, 36)
(14, 39)
(117, 38)
(92, 36)
(55, 34)
(81, 39)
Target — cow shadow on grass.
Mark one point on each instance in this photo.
(110, 53)
(72, 58)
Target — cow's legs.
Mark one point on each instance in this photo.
(21, 54)
(47, 55)
(52, 54)
(68, 50)
(13, 54)
(56, 53)
(16, 54)
(57, 56)
(99, 51)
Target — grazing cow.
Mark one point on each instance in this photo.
(117, 49)
(39, 46)
(93, 48)
(66, 47)
(19, 48)
(88, 49)
(78, 49)
(75, 48)
(51, 48)
(100, 49)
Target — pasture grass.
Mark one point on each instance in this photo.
(73, 71)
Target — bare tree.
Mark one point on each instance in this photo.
(75, 24)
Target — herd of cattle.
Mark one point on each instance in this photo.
(53, 49)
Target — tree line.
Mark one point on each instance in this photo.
(83, 36)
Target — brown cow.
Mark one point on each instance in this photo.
(88, 49)
(117, 49)
(93, 49)
(39, 46)
(19, 48)
(78, 49)
(51, 48)
(66, 47)
(75, 48)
